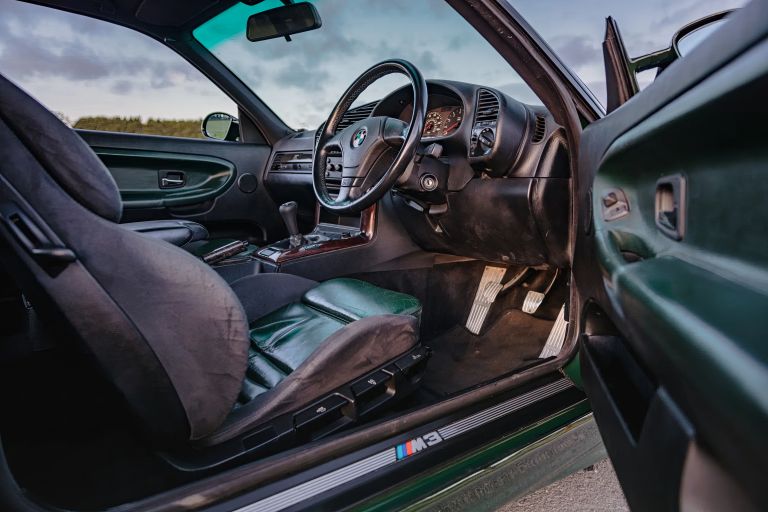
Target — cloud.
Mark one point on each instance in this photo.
(690, 11)
(456, 43)
(309, 47)
(520, 91)
(576, 51)
(598, 88)
(426, 62)
(24, 57)
(31, 48)
(71, 59)
(122, 87)
(301, 77)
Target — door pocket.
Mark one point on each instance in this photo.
(644, 432)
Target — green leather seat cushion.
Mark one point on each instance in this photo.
(350, 300)
(282, 340)
(289, 335)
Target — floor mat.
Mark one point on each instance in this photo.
(462, 360)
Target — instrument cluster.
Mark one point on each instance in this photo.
(442, 121)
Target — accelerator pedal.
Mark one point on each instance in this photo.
(489, 287)
(556, 337)
(534, 299)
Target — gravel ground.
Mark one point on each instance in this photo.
(588, 490)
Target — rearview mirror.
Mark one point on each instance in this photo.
(221, 126)
(283, 21)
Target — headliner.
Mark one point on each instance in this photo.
(158, 17)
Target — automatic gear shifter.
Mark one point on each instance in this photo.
(288, 211)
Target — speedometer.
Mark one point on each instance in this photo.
(433, 124)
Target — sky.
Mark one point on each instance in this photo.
(82, 67)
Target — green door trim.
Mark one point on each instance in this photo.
(138, 173)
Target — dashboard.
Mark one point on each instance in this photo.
(458, 200)
(479, 124)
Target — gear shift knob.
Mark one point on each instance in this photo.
(288, 211)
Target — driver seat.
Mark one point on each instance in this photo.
(195, 359)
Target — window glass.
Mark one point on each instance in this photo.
(575, 30)
(302, 79)
(100, 76)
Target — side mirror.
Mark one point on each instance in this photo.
(621, 71)
(221, 126)
(691, 35)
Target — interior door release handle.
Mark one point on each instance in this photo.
(171, 182)
(172, 179)
(671, 205)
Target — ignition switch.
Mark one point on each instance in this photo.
(428, 182)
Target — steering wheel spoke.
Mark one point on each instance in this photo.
(334, 142)
(374, 151)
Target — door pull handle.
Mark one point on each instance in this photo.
(671, 204)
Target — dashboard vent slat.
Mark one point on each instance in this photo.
(292, 161)
(352, 116)
(539, 129)
(487, 107)
(356, 114)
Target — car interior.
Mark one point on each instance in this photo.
(409, 250)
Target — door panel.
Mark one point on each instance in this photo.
(674, 353)
(148, 170)
(153, 180)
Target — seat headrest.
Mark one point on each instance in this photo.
(65, 156)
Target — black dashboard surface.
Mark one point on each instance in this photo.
(504, 188)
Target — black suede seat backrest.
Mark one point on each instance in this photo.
(165, 328)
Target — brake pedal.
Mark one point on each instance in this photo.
(556, 337)
(534, 299)
(489, 287)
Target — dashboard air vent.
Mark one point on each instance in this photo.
(356, 114)
(352, 116)
(539, 129)
(487, 107)
(292, 162)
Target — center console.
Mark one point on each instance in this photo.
(331, 233)
(326, 237)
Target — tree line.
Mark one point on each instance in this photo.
(152, 126)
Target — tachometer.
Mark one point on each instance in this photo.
(452, 121)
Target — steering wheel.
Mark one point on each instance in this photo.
(375, 151)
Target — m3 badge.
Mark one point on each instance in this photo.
(417, 444)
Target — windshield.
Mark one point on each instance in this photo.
(301, 80)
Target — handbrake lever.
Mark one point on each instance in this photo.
(225, 251)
